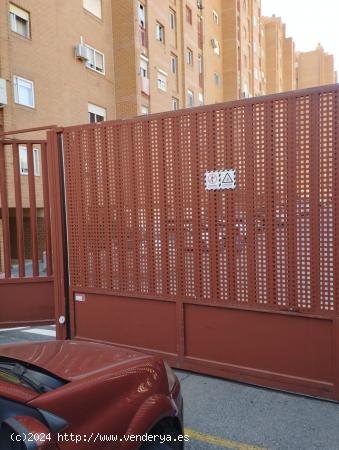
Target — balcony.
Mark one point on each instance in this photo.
(145, 85)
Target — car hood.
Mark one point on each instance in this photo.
(69, 359)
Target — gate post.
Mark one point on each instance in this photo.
(59, 242)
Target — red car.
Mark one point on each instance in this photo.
(82, 395)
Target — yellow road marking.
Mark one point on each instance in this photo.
(213, 440)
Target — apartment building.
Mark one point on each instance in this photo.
(243, 59)
(183, 53)
(46, 81)
(315, 68)
(279, 56)
(168, 56)
(89, 60)
(289, 65)
(211, 64)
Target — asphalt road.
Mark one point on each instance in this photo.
(246, 417)
(220, 414)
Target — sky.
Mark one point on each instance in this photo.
(309, 22)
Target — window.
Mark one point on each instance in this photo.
(141, 15)
(201, 71)
(245, 92)
(188, 15)
(201, 99)
(216, 46)
(144, 67)
(172, 19)
(23, 91)
(175, 104)
(190, 98)
(142, 23)
(162, 80)
(217, 79)
(94, 7)
(96, 60)
(19, 20)
(96, 113)
(256, 76)
(215, 17)
(200, 64)
(174, 63)
(144, 73)
(23, 159)
(144, 110)
(160, 32)
(189, 57)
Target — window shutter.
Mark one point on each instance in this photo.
(93, 6)
(97, 110)
(19, 12)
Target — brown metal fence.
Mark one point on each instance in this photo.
(26, 282)
(240, 283)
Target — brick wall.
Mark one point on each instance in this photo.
(28, 239)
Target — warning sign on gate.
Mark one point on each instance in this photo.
(220, 179)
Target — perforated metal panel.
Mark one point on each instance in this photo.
(142, 225)
(141, 221)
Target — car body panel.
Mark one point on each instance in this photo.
(69, 359)
(109, 390)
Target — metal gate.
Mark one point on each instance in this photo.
(26, 282)
(240, 283)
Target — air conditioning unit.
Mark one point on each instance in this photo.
(3, 93)
(81, 52)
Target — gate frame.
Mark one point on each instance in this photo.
(16, 287)
(63, 312)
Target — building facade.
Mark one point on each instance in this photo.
(243, 59)
(46, 82)
(183, 53)
(91, 60)
(169, 56)
(122, 58)
(315, 68)
(279, 56)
